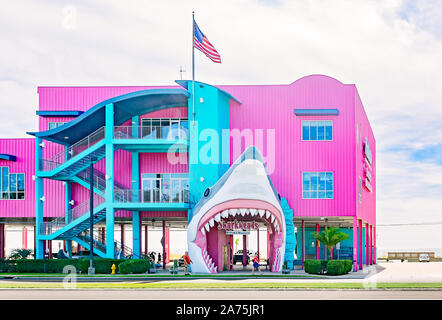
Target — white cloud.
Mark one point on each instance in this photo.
(391, 50)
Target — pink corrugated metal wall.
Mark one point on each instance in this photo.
(272, 108)
(366, 209)
(24, 150)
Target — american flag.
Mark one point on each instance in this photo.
(203, 44)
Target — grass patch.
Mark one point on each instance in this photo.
(224, 285)
(51, 275)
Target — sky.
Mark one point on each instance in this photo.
(391, 50)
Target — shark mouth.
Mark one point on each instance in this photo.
(243, 197)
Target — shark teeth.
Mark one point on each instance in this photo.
(267, 214)
(233, 212)
(225, 213)
(261, 212)
(253, 212)
(218, 217)
(212, 222)
(273, 218)
(207, 227)
(243, 211)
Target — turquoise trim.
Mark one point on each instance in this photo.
(290, 239)
(187, 84)
(39, 254)
(66, 113)
(316, 112)
(109, 193)
(151, 206)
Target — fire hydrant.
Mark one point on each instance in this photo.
(113, 268)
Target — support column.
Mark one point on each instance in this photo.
(136, 215)
(360, 244)
(122, 238)
(167, 244)
(146, 250)
(317, 243)
(109, 193)
(2, 241)
(164, 244)
(374, 245)
(39, 250)
(325, 253)
(355, 244)
(367, 245)
(303, 243)
(268, 243)
(244, 250)
(371, 244)
(67, 244)
(24, 238)
(103, 234)
(49, 249)
(257, 236)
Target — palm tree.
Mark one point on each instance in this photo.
(330, 237)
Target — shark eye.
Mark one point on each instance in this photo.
(207, 192)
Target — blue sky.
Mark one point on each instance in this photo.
(390, 49)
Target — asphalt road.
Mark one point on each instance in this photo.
(51, 294)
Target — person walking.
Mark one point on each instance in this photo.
(187, 262)
(256, 264)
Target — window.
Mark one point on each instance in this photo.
(165, 187)
(53, 125)
(174, 128)
(12, 185)
(317, 185)
(317, 130)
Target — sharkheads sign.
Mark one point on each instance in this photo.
(237, 227)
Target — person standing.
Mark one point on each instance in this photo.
(256, 264)
(187, 262)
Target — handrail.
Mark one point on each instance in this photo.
(73, 214)
(153, 196)
(152, 132)
(78, 147)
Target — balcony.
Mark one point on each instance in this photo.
(152, 199)
(153, 138)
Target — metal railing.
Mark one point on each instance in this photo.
(76, 212)
(152, 132)
(121, 251)
(73, 150)
(151, 196)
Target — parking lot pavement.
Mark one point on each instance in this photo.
(219, 295)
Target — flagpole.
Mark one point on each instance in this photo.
(193, 68)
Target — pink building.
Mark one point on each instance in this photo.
(314, 136)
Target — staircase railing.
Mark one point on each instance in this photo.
(78, 147)
(99, 180)
(76, 212)
(152, 132)
(121, 251)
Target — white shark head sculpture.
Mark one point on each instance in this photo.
(245, 190)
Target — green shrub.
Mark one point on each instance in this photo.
(18, 254)
(31, 266)
(134, 266)
(338, 267)
(313, 266)
(57, 265)
(105, 265)
(7, 265)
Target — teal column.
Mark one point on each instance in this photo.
(136, 216)
(109, 176)
(68, 207)
(39, 254)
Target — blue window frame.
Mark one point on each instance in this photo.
(317, 185)
(12, 185)
(317, 130)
